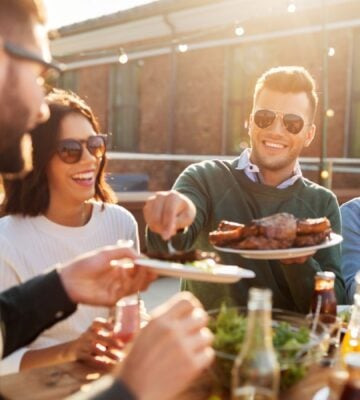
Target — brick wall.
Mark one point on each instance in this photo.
(195, 124)
(199, 98)
(93, 86)
(155, 78)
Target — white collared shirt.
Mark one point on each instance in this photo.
(252, 171)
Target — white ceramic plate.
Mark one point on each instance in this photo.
(219, 273)
(322, 394)
(284, 253)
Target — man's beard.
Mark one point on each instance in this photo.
(14, 119)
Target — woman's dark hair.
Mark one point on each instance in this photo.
(30, 196)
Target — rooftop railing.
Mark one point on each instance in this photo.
(344, 165)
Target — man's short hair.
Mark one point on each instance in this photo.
(17, 18)
(288, 79)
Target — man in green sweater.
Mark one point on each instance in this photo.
(265, 179)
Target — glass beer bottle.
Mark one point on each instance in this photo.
(351, 341)
(324, 297)
(256, 372)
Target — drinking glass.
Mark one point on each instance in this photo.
(127, 318)
(333, 325)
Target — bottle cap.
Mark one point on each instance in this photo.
(328, 275)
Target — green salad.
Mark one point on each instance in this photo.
(229, 328)
(345, 315)
(206, 265)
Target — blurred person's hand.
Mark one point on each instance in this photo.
(91, 279)
(167, 212)
(170, 352)
(96, 346)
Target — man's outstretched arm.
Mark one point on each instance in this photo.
(27, 309)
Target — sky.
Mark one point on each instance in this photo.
(66, 12)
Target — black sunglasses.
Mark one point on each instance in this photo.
(70, 150)
(292, 122)
(52, 69)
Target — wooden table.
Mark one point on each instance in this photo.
(57, 382)
(304, 390)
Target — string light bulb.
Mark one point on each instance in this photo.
(123, 57)
(324, 174)
(183, 48)
(291, 7)
(239, 30)
(331, 52)
(330, 113)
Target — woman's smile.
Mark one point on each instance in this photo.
(85, 178)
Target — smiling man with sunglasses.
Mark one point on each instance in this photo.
(265, 179)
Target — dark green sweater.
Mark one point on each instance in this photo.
(219, 191)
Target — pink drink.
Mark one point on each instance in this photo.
(127, 321)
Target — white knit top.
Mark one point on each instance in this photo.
(31, 245)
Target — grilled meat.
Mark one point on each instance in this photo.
(278, 231)
(280, 226)
(312, 225)
(228, 226)
(263, 243)
(185, 256)
(222, 237)
(311, 239)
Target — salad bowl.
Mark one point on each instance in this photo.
(298, 343)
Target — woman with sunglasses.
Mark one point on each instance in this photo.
(63, 208)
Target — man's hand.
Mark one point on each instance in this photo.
(171, 351)
(167, 212)
(91, 279)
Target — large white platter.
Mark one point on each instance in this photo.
(284, 253)
(219, 273)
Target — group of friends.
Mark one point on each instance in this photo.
(61, 223)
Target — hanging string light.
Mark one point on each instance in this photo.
(331, 52)
(183, 47)
(239, 30)
(291, 7)
(330, 112)
(123, 57)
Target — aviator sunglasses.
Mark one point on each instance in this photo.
(292, 122)
(70, 150)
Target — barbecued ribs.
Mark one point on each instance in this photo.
(312, 231)
(185, 256)
(278, 231)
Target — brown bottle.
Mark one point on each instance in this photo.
(352, 387)
(324, 297)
